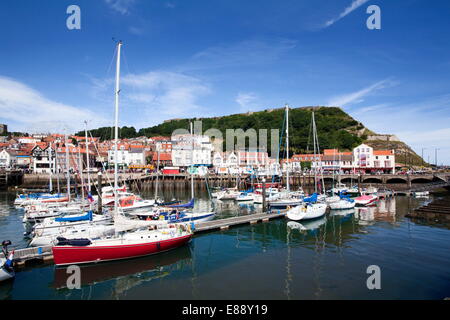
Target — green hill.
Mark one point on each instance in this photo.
(336, 129)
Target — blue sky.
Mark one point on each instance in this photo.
(185, 58)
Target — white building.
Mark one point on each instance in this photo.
(43, 159)
(127, 155)
(366, 160)
(190, 150)
(225, 162)
(28, 140)
(8, 159)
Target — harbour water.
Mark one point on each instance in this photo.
(322, 259)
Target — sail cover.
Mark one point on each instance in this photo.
(122, 223)
(86, 217)
(190, 204)
(311, 199)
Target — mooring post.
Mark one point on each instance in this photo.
(99, 188)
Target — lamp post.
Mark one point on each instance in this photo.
(423, 161)
(435, 157)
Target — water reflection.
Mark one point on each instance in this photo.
(384, 211)
(127, 273)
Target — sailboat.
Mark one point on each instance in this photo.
(309, 209)
(124, 244)
(344, 202)
(286, 199)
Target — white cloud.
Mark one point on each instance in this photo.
(170, 5)
(30, 111)
(354, 5)
(121, 6)
(420, 124)
(358, 96)
(430, 140)
(136, 30)
(249, 52)
(247, 101)
(166, 94)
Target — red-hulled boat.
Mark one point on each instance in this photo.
(126, 246)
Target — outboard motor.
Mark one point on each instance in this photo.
(5, 245)
(8, 266)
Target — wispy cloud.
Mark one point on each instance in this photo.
(421, 124)
(249, 52)
(358, 96)
(121, 6)
(136, 30)
(353, 6)
(170, 5)
(171, 94)
(247, 101)
(30, 111)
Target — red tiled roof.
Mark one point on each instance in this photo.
(162, 157)
(383, 153)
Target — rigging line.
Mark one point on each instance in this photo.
(103, 165)
(279, 145)
(309, 137)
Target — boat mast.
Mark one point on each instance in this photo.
(287, 148)
(57, 169)
(315, 158)
(87, 158)
(192, 162)
(51, 167)
(157, 176)
(80, 170)
(67, 167)
(116, 129)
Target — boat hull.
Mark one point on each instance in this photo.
(65, 255)
(341, 205)
(366, 200)
(284, 204)
(6, 275)
(314, 211)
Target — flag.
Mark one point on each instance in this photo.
(90, 198)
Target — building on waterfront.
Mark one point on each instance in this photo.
(363, 159)
(190, 150)
(253, 158)
(24, 160)
(366, 160)
(225, 162)
(165, 159)
(127, 155)
(43, 158)
(8, 159)
(78, 158)
(336, 161)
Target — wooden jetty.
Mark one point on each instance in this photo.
(22, 257)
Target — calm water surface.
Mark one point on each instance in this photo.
(324, 259)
